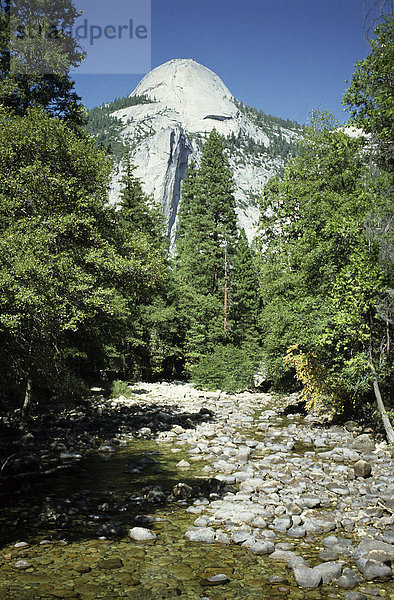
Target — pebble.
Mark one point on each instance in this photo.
(219, 579)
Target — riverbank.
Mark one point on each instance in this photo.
(305, 510)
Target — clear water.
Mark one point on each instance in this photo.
(69, 565)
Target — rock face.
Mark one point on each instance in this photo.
(187, 102)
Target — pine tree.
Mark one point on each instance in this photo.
(35, 66)
(215, 194)
(245, 299)
(149, 346)
(138, 210)
(207, 233)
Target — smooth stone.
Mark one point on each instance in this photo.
(21, 545)
(108, 447)
(363, 443)
(292, 559)
(83, 569)
(200, 534)
(298, 531)
(362, 468)
(140, 534)
(307, 577)
(110, 563)
(308, 501)
(329, 571)
(355, 596)
(258, 547)
(22, 564)
(328, 554)
(219, 579)
(374, 570)
(348, 579)
(368, 545)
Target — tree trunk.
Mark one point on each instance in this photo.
(27, 399)
(386, 421)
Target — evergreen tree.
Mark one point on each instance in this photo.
(150, 346)
(207, 232)
(245, 293)
(137, 210)
(36, 55)
(369, 99)
(215, 195)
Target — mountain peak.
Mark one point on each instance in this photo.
(191, 90)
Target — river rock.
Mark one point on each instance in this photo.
(22, 564)
(328, 554)
(362, 468)
(307, 577)
(368, 545)
(329, 571)
(107, 447)
(182, 491)
(348, 579)
(110, 563)
(140, 534)
(259, 547)
(297, 531)
(17, 464)
(374, 570)
(363, 443)
(201, 534)
(219, 579)
(292, 559)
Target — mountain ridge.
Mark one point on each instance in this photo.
(165, 121)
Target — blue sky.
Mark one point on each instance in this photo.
(286, 57)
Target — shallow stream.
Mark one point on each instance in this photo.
(68, 560)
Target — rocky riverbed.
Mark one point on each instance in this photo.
(237, 497)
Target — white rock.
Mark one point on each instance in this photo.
(140, 534)
(200, 534)
(191, 100)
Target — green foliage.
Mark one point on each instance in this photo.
(120, 388)
(216, 276)
(228, 368)
(70, 275)
(34, 68)
(261, 119)
(105, 128)
(149, 348)
(205, 248)
(244, 293)
(319, 273)
(369, 99)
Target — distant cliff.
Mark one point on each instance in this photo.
(164, 123)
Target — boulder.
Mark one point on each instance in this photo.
(201, 534)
